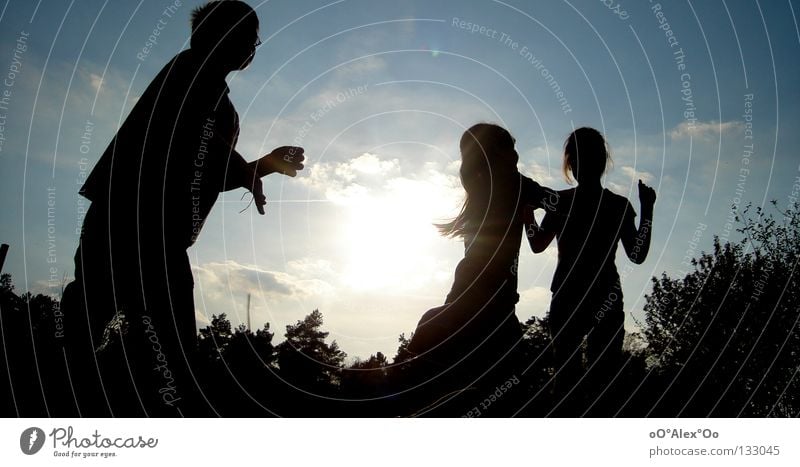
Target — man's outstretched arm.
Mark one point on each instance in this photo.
(286, 160)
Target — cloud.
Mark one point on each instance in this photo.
(368, 177)
(222, 287)
(200, 319)
(618, 188)
(542, 164)
(705, 130)
(370, 164)
(96, 81)
(540, 173)
(365, 66)
(219, 279)
(311, 267)
(533, 301)
(65, 105)
(635, 175)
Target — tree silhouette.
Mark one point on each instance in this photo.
(237, 362)
(32, 351)
(723, 339)
(306, 360)
(256, 347)
(214, 339)
(366, 378)
(375, 361)
(402, 350)
(720, 341)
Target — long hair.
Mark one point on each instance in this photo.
(487, 151)
(586, 153)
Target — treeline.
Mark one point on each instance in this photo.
(721, 341)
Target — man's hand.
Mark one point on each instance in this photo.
(527, 215)
(286, 160)
(257, 189)
(647, 195)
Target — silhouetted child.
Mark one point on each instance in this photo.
(587, 297)
(476, 327)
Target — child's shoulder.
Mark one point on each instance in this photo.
(618, 201)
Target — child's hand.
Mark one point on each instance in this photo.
(647, 195)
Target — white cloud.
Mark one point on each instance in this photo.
(542, 164)
(705, 130)
(369, 177)
(618, 188)
(200, 319)
(370, 164)
(636, 175)
(540, 173)
(276, 296)
(218, 279)
(533, 301)
(308, 267)
(96, 81)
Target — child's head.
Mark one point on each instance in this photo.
(586, 156)
(487, 156)
(487, 150)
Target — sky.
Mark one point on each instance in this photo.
(698, 99)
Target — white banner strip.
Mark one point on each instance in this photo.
(400, 442)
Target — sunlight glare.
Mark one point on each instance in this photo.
(390, 238)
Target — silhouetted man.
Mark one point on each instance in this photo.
(151, 192)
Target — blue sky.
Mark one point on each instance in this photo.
(378, 92)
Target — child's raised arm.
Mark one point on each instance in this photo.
(538, 238)
(637, 241)
(537, 197)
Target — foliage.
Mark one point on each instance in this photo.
(720, 341)
(306, 359)
(724, 337)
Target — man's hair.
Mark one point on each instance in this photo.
(217, 19)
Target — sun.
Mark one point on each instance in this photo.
(390, 238)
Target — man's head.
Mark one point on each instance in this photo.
(226, 31)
